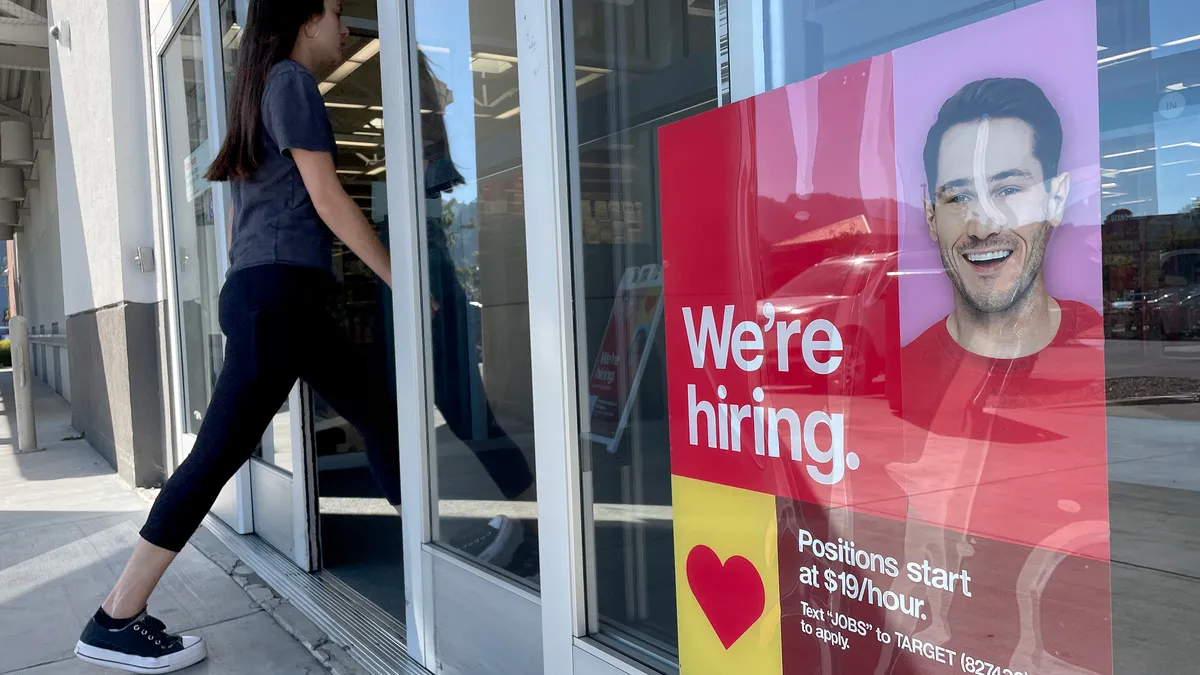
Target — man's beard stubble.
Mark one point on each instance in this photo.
(994, 302)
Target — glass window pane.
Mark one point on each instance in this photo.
(190, 151)
(360, 542)
(644, 64)
(1150, 168)
(639, 65)
(479, 309)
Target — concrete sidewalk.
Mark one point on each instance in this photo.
(67, 524)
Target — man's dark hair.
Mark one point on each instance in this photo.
(996, 98)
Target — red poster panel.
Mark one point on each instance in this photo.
(885, 364)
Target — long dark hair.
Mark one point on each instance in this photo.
(270, 37)
(444, 176)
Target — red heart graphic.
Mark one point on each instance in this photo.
(731, 594)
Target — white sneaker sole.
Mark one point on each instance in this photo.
(507, 540)
(137, 664)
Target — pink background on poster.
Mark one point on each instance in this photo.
(1055, 50)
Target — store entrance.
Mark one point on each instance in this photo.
(360, 539)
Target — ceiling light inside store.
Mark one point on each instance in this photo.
(590, 77)
(1176, 43)
(1177, 162)
(368, 52)
(356, 144)
(1178, 86)
(349, 172)
(1108, 185)
(1126, 154)
(377, 170)
(1136, 169)
(490, 66)
(346, 106)
(368, 133)
(1126, 55)
(509, 113)
(496, 57)
(376, 108)
(1100, 48)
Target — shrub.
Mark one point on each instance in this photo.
(5, 354)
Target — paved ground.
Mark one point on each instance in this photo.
(67, 523)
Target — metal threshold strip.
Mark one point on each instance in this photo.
(349, 618)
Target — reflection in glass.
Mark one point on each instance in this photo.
(1147, 250)
(192, 218)
(479, 305)
(639, 66)
(1150, 166)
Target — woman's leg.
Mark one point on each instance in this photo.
(456, 375)
(358, 390)
(255, 381)
(142, 573)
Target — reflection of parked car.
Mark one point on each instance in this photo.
(1175, 313)
(1124, 318)
(849, 291)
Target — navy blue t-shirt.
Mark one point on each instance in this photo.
(274, 220)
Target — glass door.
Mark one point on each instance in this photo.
(464, 362)
(197, 239)
(361, 542)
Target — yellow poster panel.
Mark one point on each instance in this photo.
(727, 580)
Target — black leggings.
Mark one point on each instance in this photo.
(279, 329)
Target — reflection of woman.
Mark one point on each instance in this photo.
(289, 204)
(501, 541)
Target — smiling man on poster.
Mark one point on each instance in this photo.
(996, 194)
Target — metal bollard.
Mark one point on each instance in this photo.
(18, 328)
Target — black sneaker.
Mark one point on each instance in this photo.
(144, 646)
(494, 542)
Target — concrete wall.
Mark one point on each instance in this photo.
(105, 198)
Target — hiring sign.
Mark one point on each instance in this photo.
(619, 365)
(885, 383)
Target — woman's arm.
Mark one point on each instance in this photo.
(339, 211)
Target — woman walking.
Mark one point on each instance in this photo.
(289, 205)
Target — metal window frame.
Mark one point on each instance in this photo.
(547, 159)
(397, 54)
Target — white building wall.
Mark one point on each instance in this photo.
(86, 146)
(105, 189)
(131, 131)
